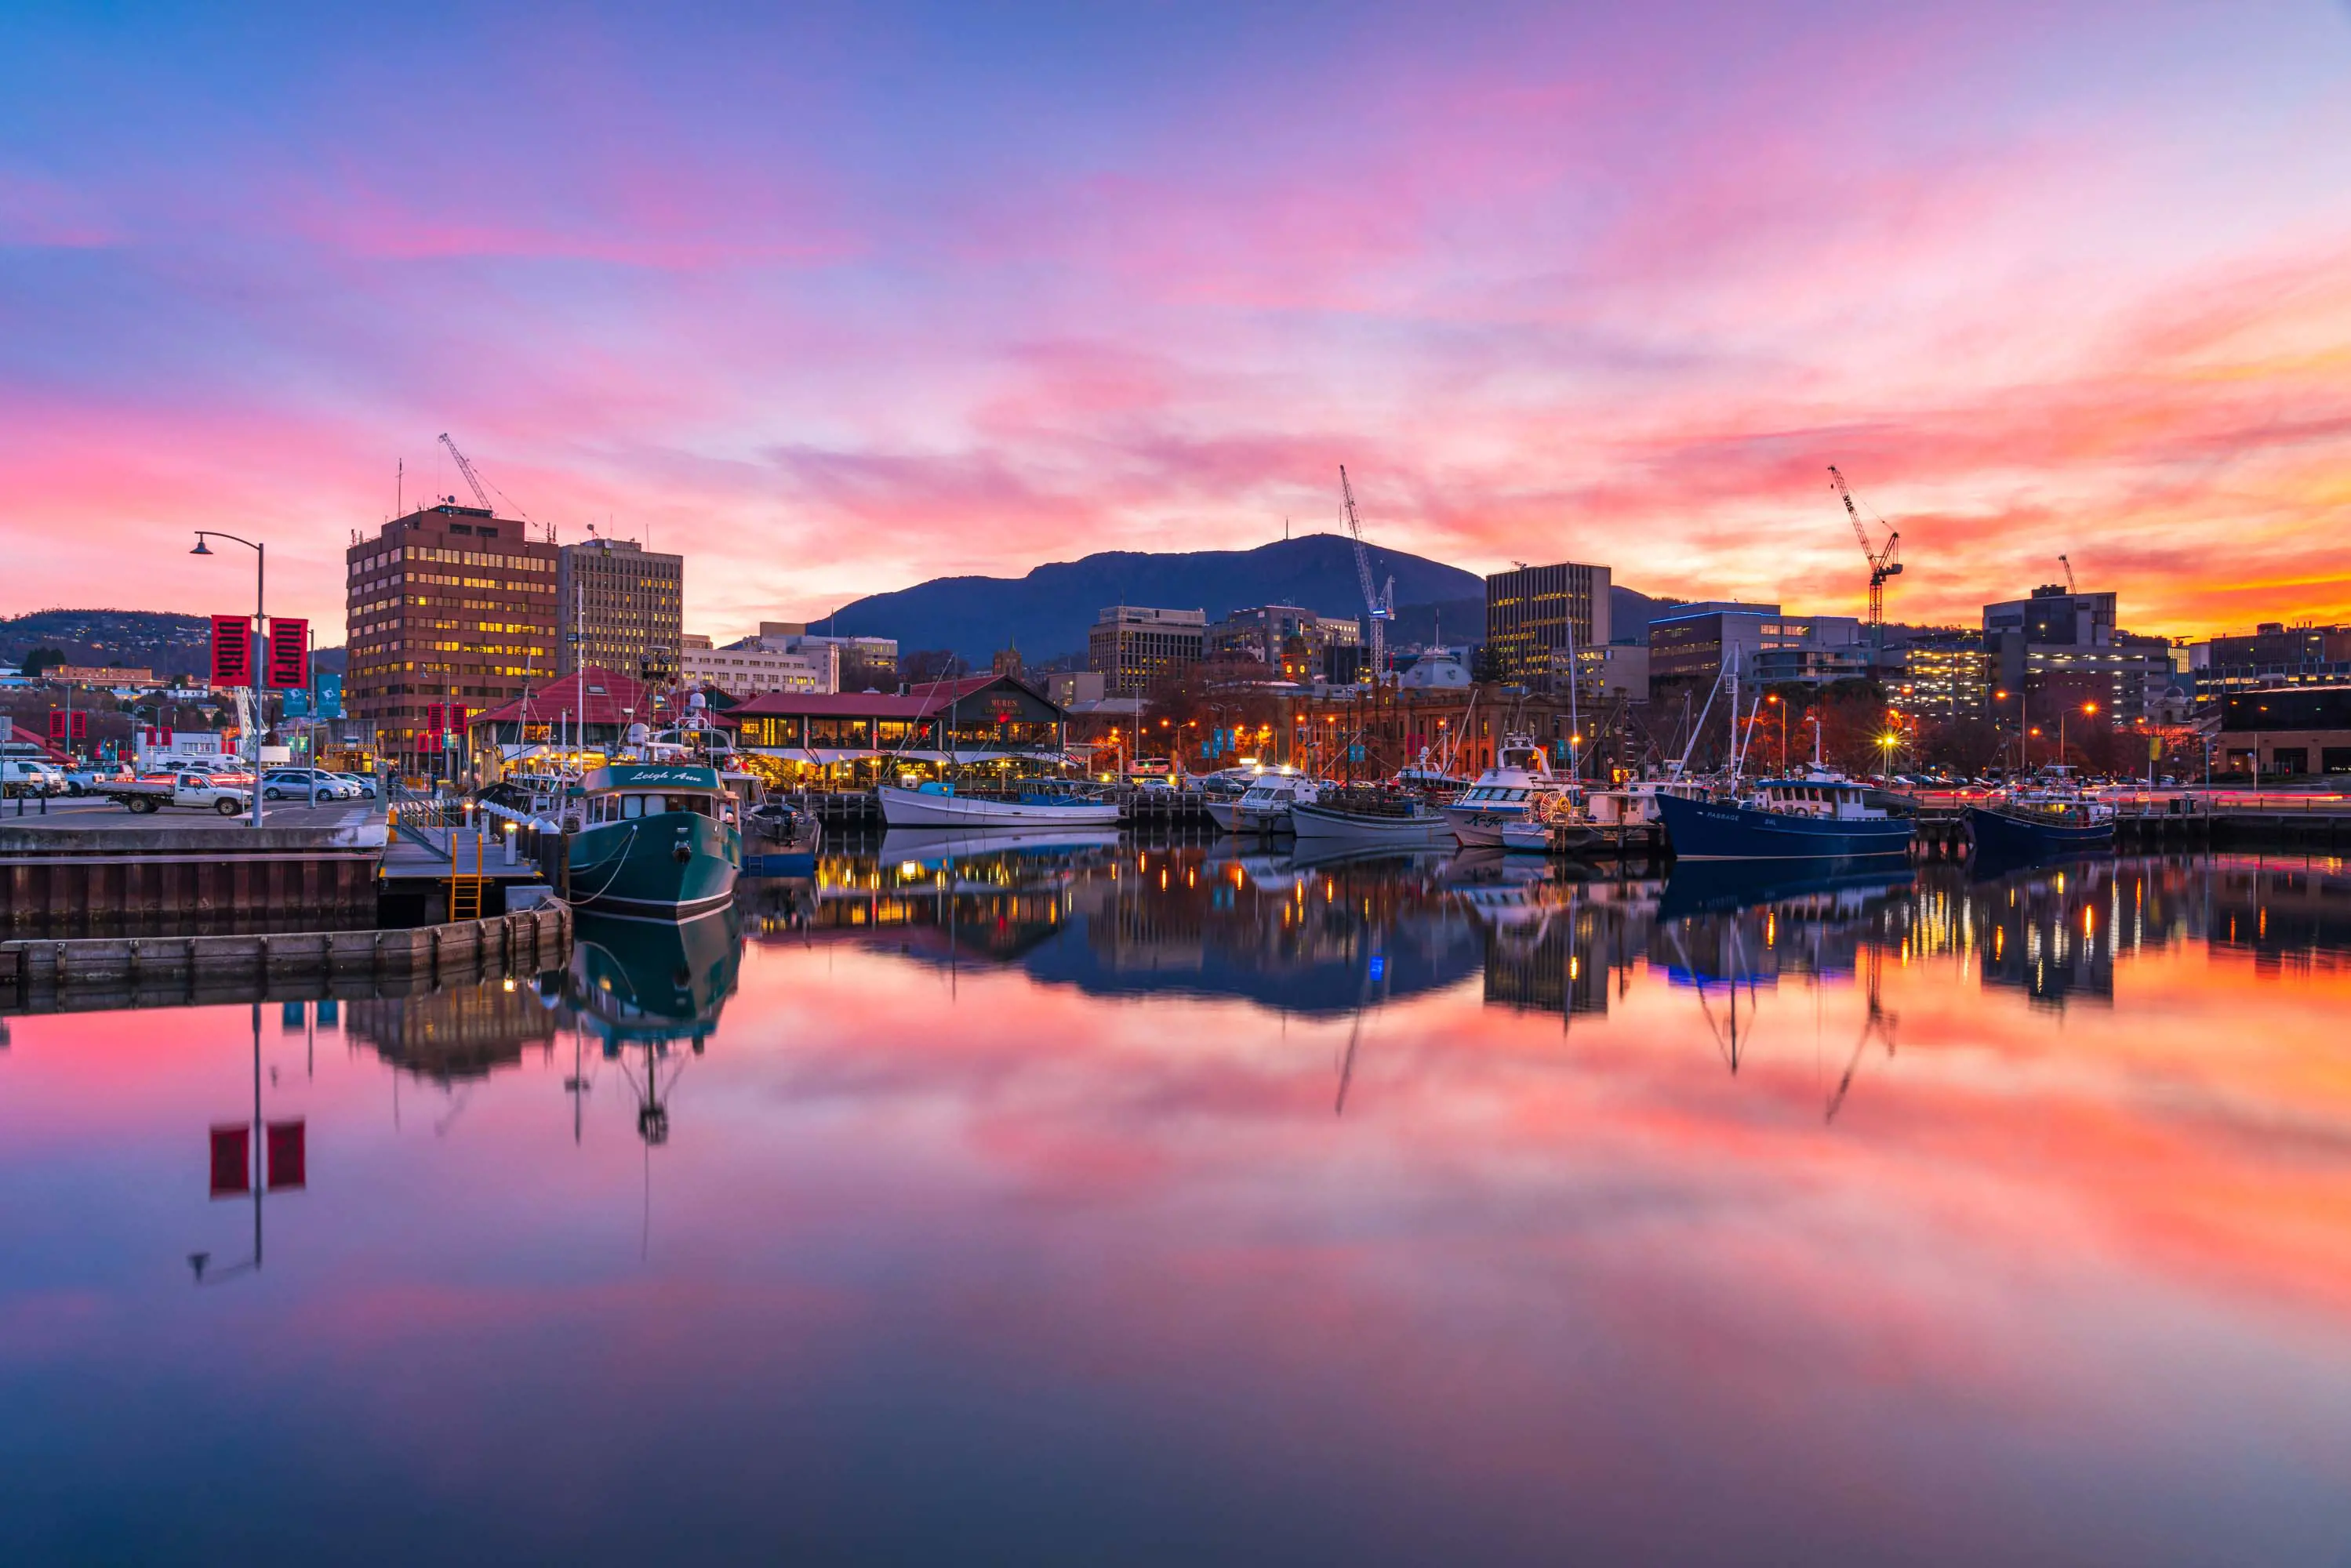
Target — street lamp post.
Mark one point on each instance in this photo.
(252, 651)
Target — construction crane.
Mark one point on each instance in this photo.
(472, 478)
(1883, 563)
(2067, 563)
(1380, 604)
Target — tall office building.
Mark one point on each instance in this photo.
(1536, 614)
(2062, 647)
(1130, 646)
(448, 604)
(620, 607)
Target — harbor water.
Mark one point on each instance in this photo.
(1083, 1202)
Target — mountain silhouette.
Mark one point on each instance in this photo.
(1047, 612)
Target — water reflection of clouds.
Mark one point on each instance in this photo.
(2039, 1291)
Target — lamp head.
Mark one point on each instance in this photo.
(202, 548)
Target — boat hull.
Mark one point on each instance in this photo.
(1704, 831)
(1316, 822)
(2019, 837)
(1481, 826)
(1223, 813)
(902, 807)
(1530, 837)
(671, 865)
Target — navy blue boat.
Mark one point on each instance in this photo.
(2029, 833)
(1792, 819)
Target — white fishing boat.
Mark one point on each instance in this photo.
(1040, 803)
(1520, 779)
(1266, 808)
(1220, 793)
(1368, 817)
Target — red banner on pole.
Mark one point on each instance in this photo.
(290, 652)
(57, 724)
(80, 725)
(231, 651)
(287, 1156)
(232, 1161)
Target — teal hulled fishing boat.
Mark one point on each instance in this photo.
(656, 841)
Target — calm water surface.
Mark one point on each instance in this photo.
(1112, 1205)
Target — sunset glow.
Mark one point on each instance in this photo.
(838, 303)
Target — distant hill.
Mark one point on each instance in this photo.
(155, 640)
(1047, 612)
(168, 644)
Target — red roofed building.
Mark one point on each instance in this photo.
(856, 736)
(590, 711)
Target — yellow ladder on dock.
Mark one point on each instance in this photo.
(465, 888)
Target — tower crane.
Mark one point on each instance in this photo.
(472, 478)
(1380, 604)
(1883, 563)
(2068, 564)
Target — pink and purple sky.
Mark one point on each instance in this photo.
(841, 299)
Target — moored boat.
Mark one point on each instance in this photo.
(1368, 817)
(1038, 803)
(656, 841)
(1520, 781)
(1818, 817)
(1266, 807)
(2024, 830)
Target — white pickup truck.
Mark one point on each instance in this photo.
(191, 792)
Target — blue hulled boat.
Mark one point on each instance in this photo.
(1818, 818)
(2021, 831)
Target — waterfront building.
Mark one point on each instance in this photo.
(1689, 648)
(1282, 636)
(2289, 730)
(2061, 647)
(750, 667)
(448, 603)
(1534, 614)
(807, 740)
(1938, 677)
(620, 606)
(585, 715)
(864, 662)
(1130, 646)
(2273, 655)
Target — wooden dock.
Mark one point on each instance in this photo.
(89, 974)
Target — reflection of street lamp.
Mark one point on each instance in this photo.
(252, 652)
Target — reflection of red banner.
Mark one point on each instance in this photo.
(232, 1168)
(286, 1162)
(231, 651)
(290, 652)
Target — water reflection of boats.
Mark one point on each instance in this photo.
(643, 987)
(634, 981)
(1721, 887)
(933, 848)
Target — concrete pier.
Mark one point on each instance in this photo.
(104, 872)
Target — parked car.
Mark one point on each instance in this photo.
(306, 783)
(31, 775)
(361, 782)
